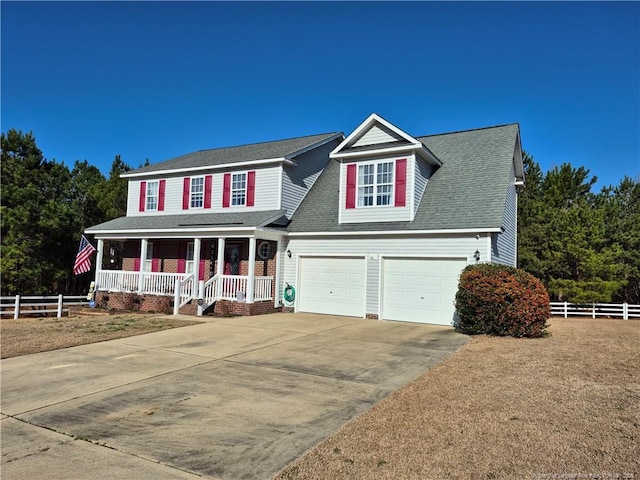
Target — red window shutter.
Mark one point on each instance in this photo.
(182, 261)
(136, 264)
(161, 189)
(251, 188)
(226, 190)
(208, 182)
(155, 265)
(201, 270)
(351, 185)
(143, 196)
(186, 187)
(401, 183)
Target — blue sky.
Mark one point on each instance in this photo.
(157, 80)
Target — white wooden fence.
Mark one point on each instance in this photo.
(593, 310)
(37, 305)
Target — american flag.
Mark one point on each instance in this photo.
(83, 259)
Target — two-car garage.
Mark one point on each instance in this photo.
(410, 289)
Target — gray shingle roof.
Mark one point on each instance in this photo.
(242, 153)
(204, 220)
(468, 191)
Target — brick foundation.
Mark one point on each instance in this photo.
(227, 307)
(164, 304)
(373, 316)
(134, 302)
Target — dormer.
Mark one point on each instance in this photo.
(383, 173)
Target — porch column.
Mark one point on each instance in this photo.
(220, 266)
(252, 269)
(276, 280)
(197, 246)
(99, 256)
(143, 258)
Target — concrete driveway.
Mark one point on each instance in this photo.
(233, 398)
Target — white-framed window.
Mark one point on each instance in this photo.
(375, 184)
(152, 195)
(197, 192)
(190, 264)
(238, 189)
(148, 261)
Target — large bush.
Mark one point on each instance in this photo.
(501, 300)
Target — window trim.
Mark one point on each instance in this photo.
(375, 185)
(149, 196)
(244, 190)
(201, 193)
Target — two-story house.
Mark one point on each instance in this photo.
(378, 224)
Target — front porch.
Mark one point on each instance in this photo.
(191, 276)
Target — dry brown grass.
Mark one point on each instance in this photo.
(565, 406)
(32, 335)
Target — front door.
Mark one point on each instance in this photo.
(232, 259)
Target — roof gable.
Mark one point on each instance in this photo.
(377, 136)
(467, 192)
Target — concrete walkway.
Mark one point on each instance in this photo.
(233, 398)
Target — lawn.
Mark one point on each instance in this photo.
(32, 335)
(566, 406)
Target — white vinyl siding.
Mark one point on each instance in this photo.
(423, 172)
(433, 246)
(375, 135)
(389, 213)
(265, 198)
(503, 245)
(298, 179)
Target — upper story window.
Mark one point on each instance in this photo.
(238, 189)
(197, 192)
(152, 196)
(375, 184)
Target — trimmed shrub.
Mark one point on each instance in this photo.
(501, 300)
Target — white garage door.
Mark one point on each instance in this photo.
(332, 285)
(420, 290)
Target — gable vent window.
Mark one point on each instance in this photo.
(375, 184)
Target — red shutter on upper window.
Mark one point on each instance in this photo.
(351, 185)
(251, 188)
(208, 182)
(401, 182)
(136, 264)
(226, 190)
(186, 186)
(155, 264)
(143, 196)
(161, 189)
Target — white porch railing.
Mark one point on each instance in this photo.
(593, 310)
(155, 283)
(183, 286)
